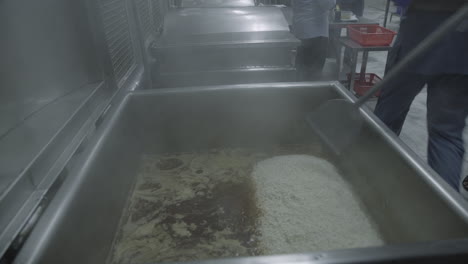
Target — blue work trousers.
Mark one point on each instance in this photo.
(447, 110)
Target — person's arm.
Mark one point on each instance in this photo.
(402, 3)
(326, 4)
(437, 5)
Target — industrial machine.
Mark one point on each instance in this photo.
(205, 46)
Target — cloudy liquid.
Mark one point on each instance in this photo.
(219, 203)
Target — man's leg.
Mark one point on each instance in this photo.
(358, 8)
(314, 53)
(396, 98)
(447, 110)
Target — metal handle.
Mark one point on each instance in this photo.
(449, 25)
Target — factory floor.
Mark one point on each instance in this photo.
(414, 132)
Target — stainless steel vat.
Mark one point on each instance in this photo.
(217, 3)
(409, 203)
(202, 46)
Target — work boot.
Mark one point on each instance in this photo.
(465, 183)
(464, 188)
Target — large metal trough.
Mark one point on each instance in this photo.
(421, 219)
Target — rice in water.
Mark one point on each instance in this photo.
(238, 202)
(307, 206)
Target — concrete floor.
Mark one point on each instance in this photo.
(414, 132)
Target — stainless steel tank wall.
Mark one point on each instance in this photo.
(62, 61)
(49, 68)
(274, 2)
(232, 76)
(47, 54)
(86, 227)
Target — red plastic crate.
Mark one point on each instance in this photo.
(371, 35)
(362, 86)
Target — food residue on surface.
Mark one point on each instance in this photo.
(238, 202)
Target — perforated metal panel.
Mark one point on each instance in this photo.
(119, 40)
(144, 15)
(159, 10)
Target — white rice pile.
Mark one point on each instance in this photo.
(307, 206)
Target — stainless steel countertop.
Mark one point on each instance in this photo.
(225, 25)
(37, 127)
(217, 3)
(288, 14)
